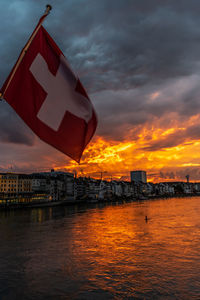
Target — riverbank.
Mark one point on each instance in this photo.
(28, 205)
(7, 206)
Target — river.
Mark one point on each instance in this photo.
(102, 251)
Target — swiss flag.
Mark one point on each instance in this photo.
(50, 98)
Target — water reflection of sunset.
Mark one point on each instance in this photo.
(103, 251)
(116, 243)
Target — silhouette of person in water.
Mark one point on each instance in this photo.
(146, 219)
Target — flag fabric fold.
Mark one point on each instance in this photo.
(50, 98)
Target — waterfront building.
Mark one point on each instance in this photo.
(196, 187)
(93, 188)
(187, 188)
(68, 185)
(56, 184)
(24, 183)
(15, 188)
(148, 188)
(39, 183)
(117, 188)
(80, 188)
(126, 189)
(8, 183)
(138, 176)
(12, 184)
(40, 188)
(102, 190)
(56, 190)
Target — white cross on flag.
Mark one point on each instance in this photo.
(51, 100)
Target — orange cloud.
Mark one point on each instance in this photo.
(173, 152)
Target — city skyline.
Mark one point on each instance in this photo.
(140, 65)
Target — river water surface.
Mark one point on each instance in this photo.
(102, 251)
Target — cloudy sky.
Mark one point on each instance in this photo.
(140, 64)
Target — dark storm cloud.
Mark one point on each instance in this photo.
(126, 46)
(114, 44)
(12, 129)
(123, 51)
(135, 108)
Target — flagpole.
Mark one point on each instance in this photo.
(24, 50)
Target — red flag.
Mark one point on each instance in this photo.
(50, 99)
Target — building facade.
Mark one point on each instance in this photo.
(138, 176)
(9, 183)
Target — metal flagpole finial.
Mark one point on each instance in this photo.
(48, 8)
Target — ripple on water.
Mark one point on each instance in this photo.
(107, 252)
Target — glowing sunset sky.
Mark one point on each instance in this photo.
(139, 62)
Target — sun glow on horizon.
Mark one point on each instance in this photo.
(155, 150)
